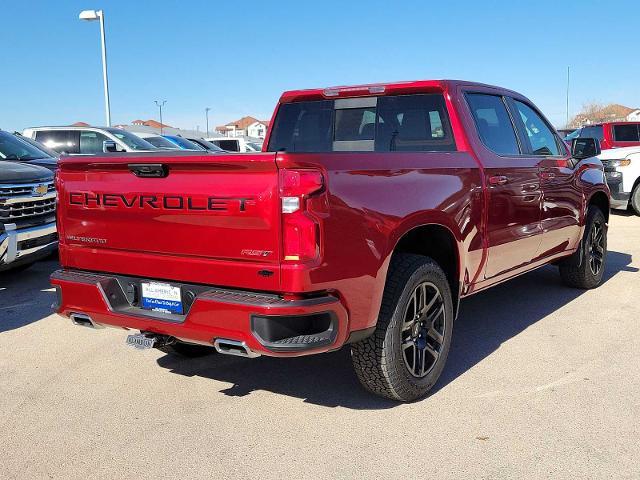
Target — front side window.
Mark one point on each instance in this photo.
(626, 133)
(541, 138)
(92, 142)
(493, 123)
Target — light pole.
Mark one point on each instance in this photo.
(160, 105)
(206, 114)
(90, 15)
(567, 97)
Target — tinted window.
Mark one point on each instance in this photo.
(130, 140)
(63, 141)
(92, 142)
(162, 142)
(184, 143)
(413, 123)
(15, 148)
(493, 123)
(541, 138)
(626, 133)
(355, 124)
(229, 145)
(592, 132)
(303, 127)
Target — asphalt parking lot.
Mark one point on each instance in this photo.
(542, 382)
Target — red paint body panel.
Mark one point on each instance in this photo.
(368, 203)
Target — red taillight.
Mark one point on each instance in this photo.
(300, 228)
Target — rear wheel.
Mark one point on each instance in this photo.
(585, 268)
(634, 202)
(405, 356)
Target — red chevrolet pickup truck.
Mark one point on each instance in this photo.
(370, 213)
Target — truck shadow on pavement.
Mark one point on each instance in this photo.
(486, 321)
(26, 297)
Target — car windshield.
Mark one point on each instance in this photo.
(162, 142)
(13, 148)
(572, 135)
(184, 143)
(130, 140)
(206, 145)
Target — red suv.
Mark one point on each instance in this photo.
(611, 135)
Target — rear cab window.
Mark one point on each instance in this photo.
(363, 124)
(62, 141)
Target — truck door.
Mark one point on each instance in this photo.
(561, 199)
(513, 184)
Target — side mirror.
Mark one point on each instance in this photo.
(585, 147)
(109, 146)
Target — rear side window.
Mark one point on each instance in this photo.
(391, 123)
(493, 123)
(626, 133)
(63, 141)
(413, 123)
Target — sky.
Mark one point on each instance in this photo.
(237, 57)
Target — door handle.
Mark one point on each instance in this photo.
(547, 175)
(498, 180)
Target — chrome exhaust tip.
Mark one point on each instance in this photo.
(84, 320)
(233, 347)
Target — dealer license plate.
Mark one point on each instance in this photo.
(161, 297)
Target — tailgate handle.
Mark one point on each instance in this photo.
(149, 170)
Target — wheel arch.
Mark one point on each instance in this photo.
(437, 241)
(601, 200)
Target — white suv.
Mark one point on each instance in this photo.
(622, 169)
(88, 140)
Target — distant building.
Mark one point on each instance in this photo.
(596, 113)
(634, 116)
(244, 127)
(150, 123)
(80, 124)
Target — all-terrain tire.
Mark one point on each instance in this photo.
(379, 360)
(634, 201)
(578, 270)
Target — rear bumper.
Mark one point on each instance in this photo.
(266, 323)
(26, 245)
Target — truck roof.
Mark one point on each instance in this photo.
(396, 88)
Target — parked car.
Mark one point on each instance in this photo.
(27, 212)
(622, 169)
(210, 147)
(157, 141)
(183, 143)
(20, 149)
(88, 140)
(233, 144)
(372, 211)
(38, 145)
(610, 135)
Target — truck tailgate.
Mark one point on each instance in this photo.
(193, 218)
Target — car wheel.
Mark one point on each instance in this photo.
(405, 356)
(634, 201)
(585, 268)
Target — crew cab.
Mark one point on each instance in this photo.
(370, 213)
